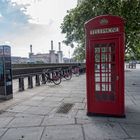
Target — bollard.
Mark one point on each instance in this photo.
(21, 84)
(43, 79)
(30, 81)
(37, 80)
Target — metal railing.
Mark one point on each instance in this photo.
(22, 71)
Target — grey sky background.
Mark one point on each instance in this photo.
(36, 22)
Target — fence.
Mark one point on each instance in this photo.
(22, 71)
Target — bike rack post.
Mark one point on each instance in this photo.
(37, 80)
(21, 84)
(43, 79)
(30, 81)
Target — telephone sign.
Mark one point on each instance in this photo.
(105, 66)
(105, 30)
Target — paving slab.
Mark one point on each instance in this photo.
(59, 94)
(18, 108)
(31, 103)
(133, 130)
(82, 118)
(73, 100)
(4, 121)
(129, 100)
(38, 98)
(102, 130)
(63, 132)
(31, 133)
(7, 114)
(38, 110)
(29, 121)
(57, 99)
(57, 121)
(50, 104)
(28, 114)
(131, 118)
(2, 131)
(136, 96)
(132, 108)
(79, 106)
(71, 114)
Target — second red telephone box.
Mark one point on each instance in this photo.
(105, 66)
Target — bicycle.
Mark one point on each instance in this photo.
(51, 76)
(76, 71)
(66, 73)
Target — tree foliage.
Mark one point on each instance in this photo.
(73, 23)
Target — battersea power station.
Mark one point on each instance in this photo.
(51, 57)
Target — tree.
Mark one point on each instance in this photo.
(73, 22)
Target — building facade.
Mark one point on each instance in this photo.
(19, 60)
(51, 57)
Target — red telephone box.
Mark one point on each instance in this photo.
(105, 65)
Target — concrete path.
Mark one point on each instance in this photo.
(34, 115)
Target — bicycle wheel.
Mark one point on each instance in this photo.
(68, 76)
(77, 72)
(56, 79)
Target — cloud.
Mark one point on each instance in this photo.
(36, 22)
(14, 21)
(0, 16)
(13, 17)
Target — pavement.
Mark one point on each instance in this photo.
(35, 114)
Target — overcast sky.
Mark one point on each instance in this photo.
(36, 22)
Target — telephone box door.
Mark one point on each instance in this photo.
(105, 77)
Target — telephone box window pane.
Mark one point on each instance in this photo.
(109, 79)
(97, 74)
(103, 79)
(109, 58)
(103, 59)
(97, 57)
(97, 68)
(109, 87)
(103, 74)
(103, 49)
(109, 67)
(106, 78)
(97, 50)
(97, 87)
(103, 87)
(102, 66)
(97, 79)
(106, 67)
